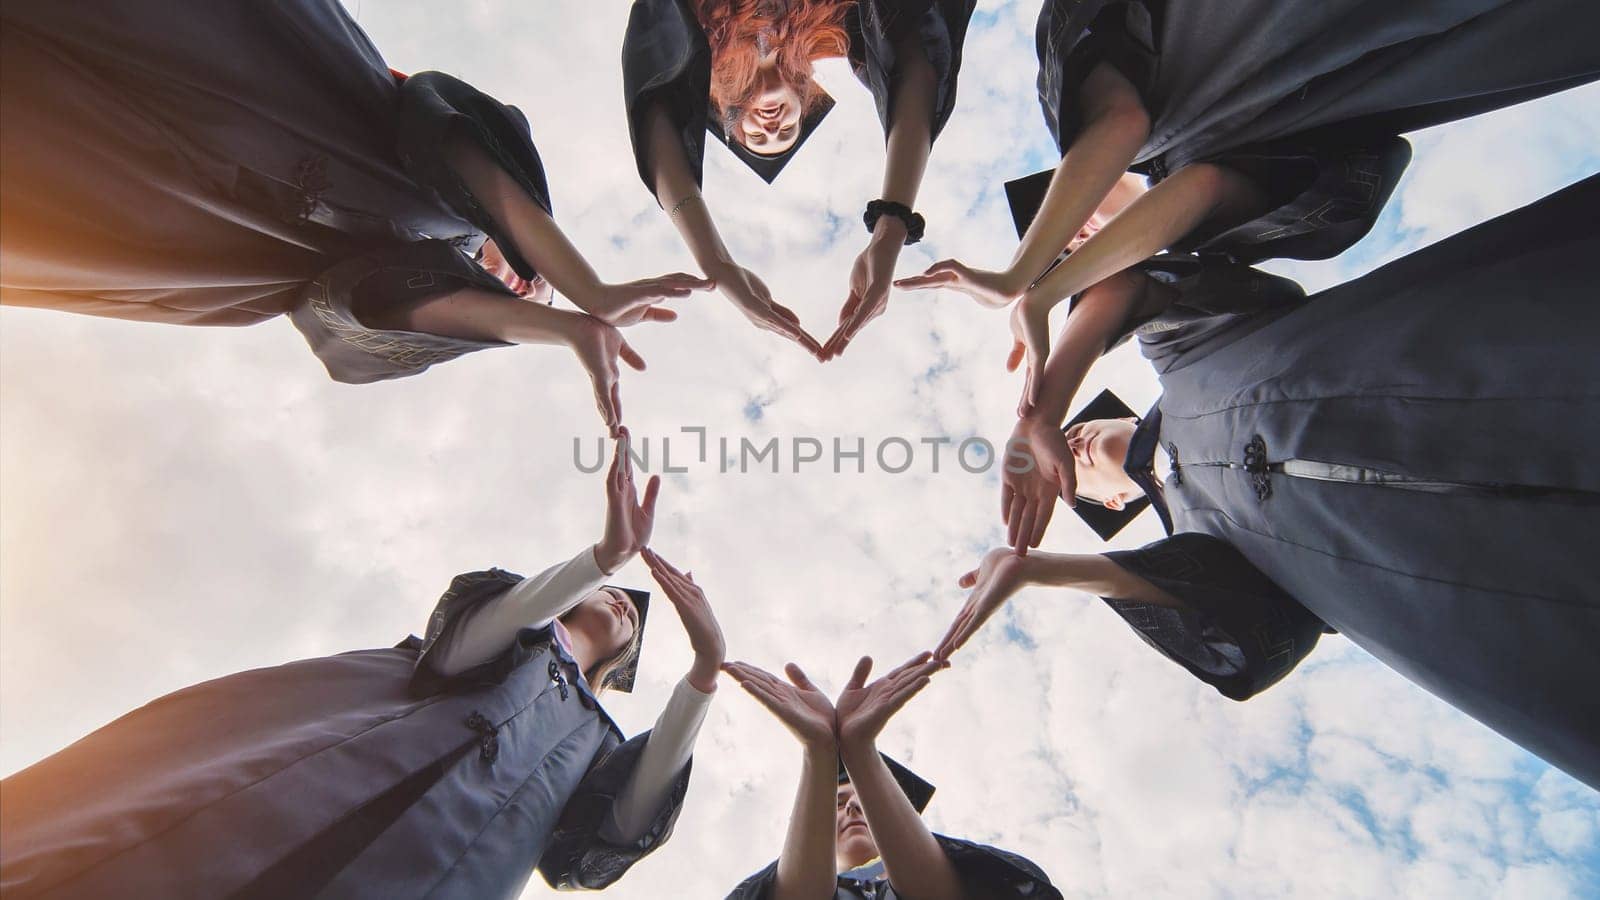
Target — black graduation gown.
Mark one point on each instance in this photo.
(225, 163)
(666, 60)
(363, 774)
(986, 871)
(1308, 98)
(1410, 458)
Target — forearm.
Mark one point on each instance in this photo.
(476, 315)
(911, 131)
(916, 865)
(1115, 127)
(537, 237)
(806, 865)
(1152, 223)
(485, 632)
(1094, 574)
(1091, 325)
(679, 194)
(668, 750)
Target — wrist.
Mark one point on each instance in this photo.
(702, 675)
(889, 230)
(854, 749)
(610, 559)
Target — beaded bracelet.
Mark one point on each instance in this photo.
(877, 209)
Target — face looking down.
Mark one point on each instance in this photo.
(607, 618)
(854, 844)
(1099, 448)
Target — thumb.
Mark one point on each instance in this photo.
(969, 579)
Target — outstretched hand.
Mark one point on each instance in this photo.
(870, 279)
(863, 709)
(628, 522)
(627, 304)
(797, 703)
(1028, 497)
(1001, 574)
(994, 290)
(1030, 332)
(699, 622)
(599, 346)
(751, 295)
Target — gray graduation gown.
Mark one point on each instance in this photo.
(226, 163)
(985, 871)
(1308, 98)
(1410, 458)
(358, 775)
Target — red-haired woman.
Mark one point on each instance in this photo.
(741, 70)
(227, 163)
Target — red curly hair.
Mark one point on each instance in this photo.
(741, 31)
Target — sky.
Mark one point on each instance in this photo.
(181, 503)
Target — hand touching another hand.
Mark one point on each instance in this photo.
(1001, 574)
(797, 703)
(1038, 471)
(750, 294)
(870, 279)
(599, 346)
(863, 709)
(628, 522)
(699, 623)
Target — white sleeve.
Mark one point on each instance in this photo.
(483, 633)
(664, 755)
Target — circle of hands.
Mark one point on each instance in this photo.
(861, 710)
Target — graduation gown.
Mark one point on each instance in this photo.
(985, 871)
(226, 163)
(1407, 458)
(666, 60)
(1307, 98)
(363, 774)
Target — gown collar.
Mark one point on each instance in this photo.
(1141, 459)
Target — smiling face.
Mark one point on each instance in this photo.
(855, 846)
(1099, 448)
(771, 122)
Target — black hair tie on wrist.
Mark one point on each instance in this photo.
(877, 209)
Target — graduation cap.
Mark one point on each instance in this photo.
(768, 166)
(919, 792)
(1106, 522)
(1025, 196)
(621, 678)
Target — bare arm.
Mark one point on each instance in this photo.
(1115, 127)
(913, 859)
(806, 865)
(1094, 322)
(1094, 574)
(1191, 197)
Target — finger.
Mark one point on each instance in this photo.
(945, 646)
(1014, 359)
(968, 580)
(1008, 496)
(910, 665)
(616, 406)
(1030, 517)
(1014, 522)
(1067, 477)
(608, 412)
(1041, 520)
(659, 314)
(686, 280)
(631, 357)
(858, 678)
(799, 677)
(925, 281)
(787, 313)
(651, 489)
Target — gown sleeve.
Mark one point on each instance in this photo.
(436, 108)
(356, 354)
(1237, 632)
(940, 27)
(666, 61)
(1326, 194)
(579, 855)
(1073, 36)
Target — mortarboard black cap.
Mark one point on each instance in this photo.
(621, 678)
(919, 792)
(768, 167)
(1026, 195)
(1106, 522)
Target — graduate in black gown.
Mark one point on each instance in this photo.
(1407, 458)
(740, 70)
(226, 163)
(1269, 129)
(448, 766)
(856, 832)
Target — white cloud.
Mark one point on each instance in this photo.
(183, 503)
